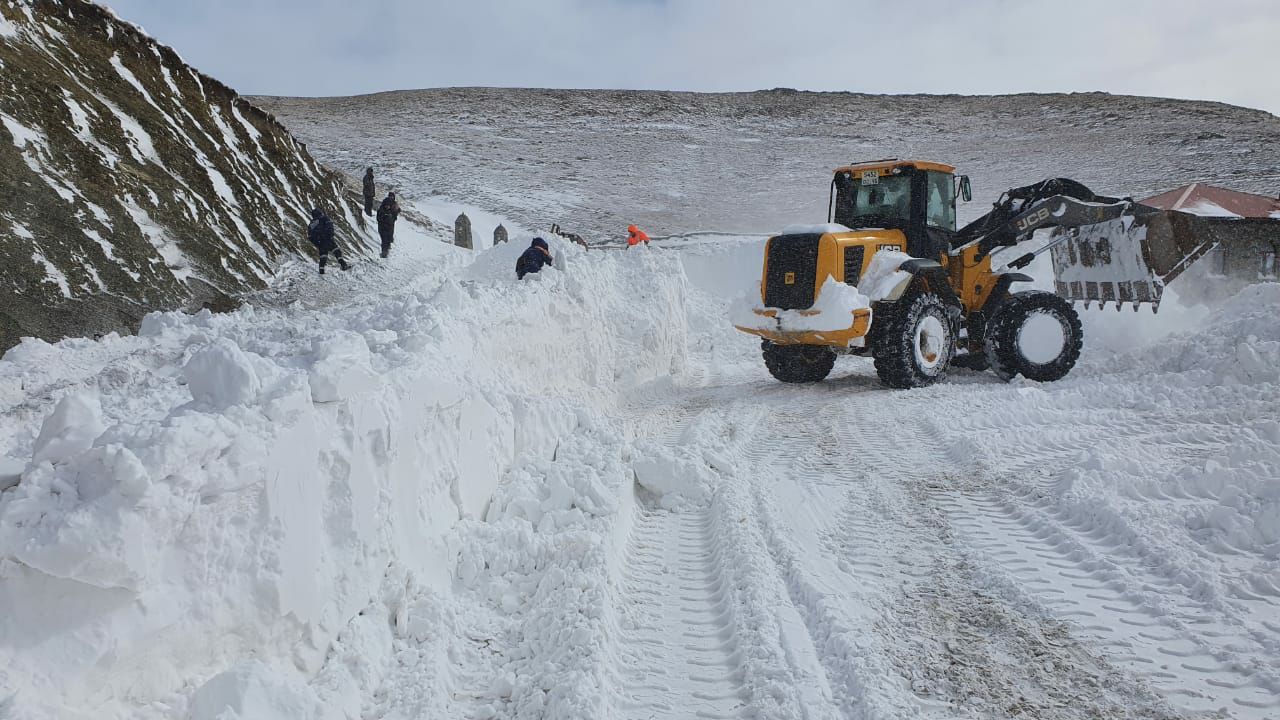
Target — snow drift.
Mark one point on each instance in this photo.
(292, 466)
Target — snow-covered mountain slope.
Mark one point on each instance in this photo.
(133, 182)
(756, 162)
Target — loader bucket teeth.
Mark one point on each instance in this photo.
(1133, 258)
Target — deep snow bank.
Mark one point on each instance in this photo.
(286, 469)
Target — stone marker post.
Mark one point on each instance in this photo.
(499, 235)
(462, 232)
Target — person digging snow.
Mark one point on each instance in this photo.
(388, 211)
(635, 236)
(320, 233)
(369, 189)
(533, 259)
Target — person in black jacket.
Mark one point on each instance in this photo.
(532, 260)
(388, 211)
(369, 189)
(320, 233)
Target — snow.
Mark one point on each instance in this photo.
(221, 375)
(174, 259)
(8, 28)
(228, 513)
(52, 274)
(140, 143)
(814, 229)
(426, 489)
(70, 430)
(883, 276)
(833, 308)
(1207, 208)
(474, 496)
(22, 135)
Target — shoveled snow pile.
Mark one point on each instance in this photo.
(236, 522)
(1239, 345)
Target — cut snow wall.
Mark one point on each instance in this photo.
(299, 462)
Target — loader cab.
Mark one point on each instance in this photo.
(914, 196)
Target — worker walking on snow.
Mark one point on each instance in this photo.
(388, 211)
(369, 190)
(320, 233)
(533, 259)
(635, 236)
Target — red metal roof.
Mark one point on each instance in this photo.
(1202, 199)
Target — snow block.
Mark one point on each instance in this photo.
(75, 423)
(221, 375)
(676, 477)
(341, 369)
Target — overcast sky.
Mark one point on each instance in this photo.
(1226, 50)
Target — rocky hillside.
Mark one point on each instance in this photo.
(131, 182)
(595, 160)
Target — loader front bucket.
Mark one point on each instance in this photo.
(1131, 259)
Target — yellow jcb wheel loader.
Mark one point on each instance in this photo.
(945, 303)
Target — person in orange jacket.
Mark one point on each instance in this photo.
(635, 236)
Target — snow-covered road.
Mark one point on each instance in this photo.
(427, 490)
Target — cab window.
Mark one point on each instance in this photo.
(941, 209)
(884, 203)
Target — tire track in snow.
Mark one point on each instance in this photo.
(886, 600)
(1184, 649)
(682, 658)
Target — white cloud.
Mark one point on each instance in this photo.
(1222, 51)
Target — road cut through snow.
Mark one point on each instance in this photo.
(582, 496)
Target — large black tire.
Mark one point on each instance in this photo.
(913, 340)
(798, 363)
(1003, 348)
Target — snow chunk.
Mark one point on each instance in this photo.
(883, 275)
(221, 375)
(341, 369)
(678, 477)
(814, 229)
(70, 430)
(254, 691)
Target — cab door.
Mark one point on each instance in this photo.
(939, 212)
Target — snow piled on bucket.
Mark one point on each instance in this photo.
(249, 508)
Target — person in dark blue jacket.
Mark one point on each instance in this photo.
(532, 260)
(320, 233)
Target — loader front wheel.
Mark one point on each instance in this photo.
(1036, 335)
(913, 342)
(798, 363)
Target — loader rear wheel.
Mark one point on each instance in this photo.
(914, 341)
(1036, 335)
(798, 363)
